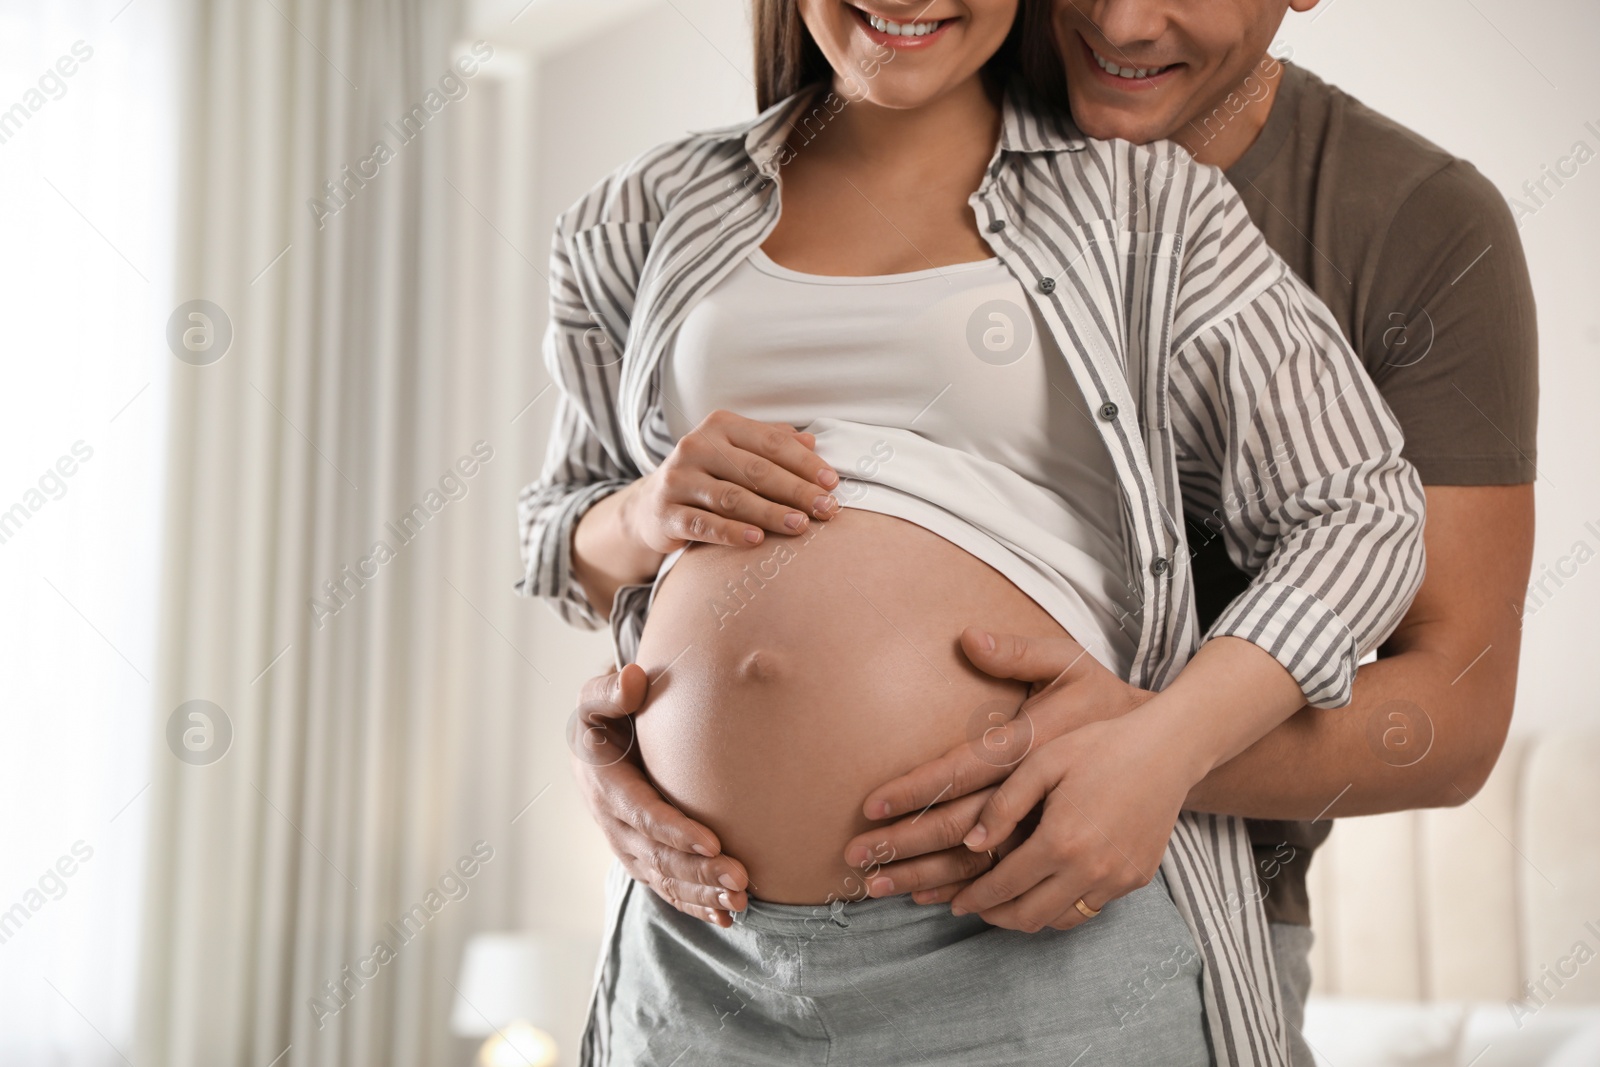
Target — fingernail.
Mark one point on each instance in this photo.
(794, 520)
(880, 886)
(880, 810)
(988, 640)
(753, 536)
(976, 838)
(957, 912)
(727, 881)
(725, 901)
(702, 850)
(823, 504)
(859, 856)
(922, 896)
(827, 479)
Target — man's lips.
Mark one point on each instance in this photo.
(1122, 74)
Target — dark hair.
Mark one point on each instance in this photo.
(788, 60)
(1042, 72)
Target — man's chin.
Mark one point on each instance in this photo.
(1108, 124)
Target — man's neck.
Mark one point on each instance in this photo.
(1221, 133)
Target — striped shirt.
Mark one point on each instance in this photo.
(1222, 387)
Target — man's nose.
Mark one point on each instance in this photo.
(1123, 23)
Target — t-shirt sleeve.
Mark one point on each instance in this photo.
(1450, 334)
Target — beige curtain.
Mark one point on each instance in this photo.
(341, 545)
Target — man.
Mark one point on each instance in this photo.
(1418, 258)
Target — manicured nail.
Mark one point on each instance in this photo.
(859, 856)
(880, 886)
(701, 849)
(725, 901)
(794, 520)
(827, 479)
(727, 881)
(753, 536)
(976, 838)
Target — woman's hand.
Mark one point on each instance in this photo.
(728, 481)
(658, 845)
(1112, 792)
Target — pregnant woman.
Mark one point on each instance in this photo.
(900, 353)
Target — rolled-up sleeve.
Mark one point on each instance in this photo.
(1286, 449)
(585, 461)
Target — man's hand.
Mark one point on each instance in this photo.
(658, 844)
(941, 800)
(1112, 792)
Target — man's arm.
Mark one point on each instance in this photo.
(1429, 718)
(1454, 657)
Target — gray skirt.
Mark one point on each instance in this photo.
(887, 982)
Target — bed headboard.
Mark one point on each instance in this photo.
(1470, 903)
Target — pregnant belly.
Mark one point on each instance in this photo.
(792, 679)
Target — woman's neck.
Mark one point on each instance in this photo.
(956, 132)
(885, 191)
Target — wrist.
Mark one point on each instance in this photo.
(607, 537)
(1182, 732)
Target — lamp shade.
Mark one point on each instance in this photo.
(507, 978)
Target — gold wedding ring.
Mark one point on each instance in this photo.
(1084, 909)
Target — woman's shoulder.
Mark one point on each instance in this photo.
(672, 176)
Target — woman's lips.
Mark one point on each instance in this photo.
(1096, 65)
(901, 41)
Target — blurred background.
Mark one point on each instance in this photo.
(283, 768)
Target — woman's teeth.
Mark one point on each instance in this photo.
(1124, 72)
(901, 29)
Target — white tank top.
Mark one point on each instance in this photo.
(939, 399)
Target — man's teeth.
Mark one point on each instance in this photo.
(902, 29)
(1123, 72)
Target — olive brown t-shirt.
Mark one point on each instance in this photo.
(1418, 258)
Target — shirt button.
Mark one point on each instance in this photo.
(1159, 565)
(1108, 411)
(1047, 285)
(996, 225)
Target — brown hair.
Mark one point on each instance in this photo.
(1043, 73)
(788, 60)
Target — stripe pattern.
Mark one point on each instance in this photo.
(1225, 390)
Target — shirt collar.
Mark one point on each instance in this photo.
(1025, 127)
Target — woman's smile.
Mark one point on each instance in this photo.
(902, 55)
(908, 32)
